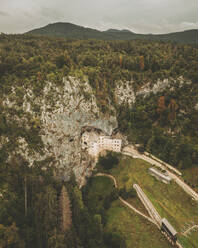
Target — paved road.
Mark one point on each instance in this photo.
(131, 151)
(183, 185)
(163, 163)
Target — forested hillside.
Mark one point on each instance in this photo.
(69, 30)
(163, 122)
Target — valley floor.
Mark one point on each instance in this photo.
(170, 201)
(135, 229)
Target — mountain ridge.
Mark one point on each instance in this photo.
(70, 30)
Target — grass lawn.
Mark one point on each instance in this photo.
(97, 189)
(138, 232)
(170, 200)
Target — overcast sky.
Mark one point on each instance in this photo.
(142, 16)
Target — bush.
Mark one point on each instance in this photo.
(114, 240)
(110, 198)
(109, 161)
(127, 193)
(141, 149)
(125, 179)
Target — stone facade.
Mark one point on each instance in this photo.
(95, 143)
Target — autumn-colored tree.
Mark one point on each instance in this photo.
(161, 106)
(120, 60)
(66, 214)
(9, 236)
(56, 240)
(141, 63)
(172, 110)
(39, 76)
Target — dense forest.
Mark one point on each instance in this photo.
(35, 210)
(165, 123)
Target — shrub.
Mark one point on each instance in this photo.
(114, 240)
(109, 161)
(127, 193)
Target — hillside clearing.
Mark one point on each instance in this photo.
(170, 200)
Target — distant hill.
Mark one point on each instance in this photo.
(69, 30)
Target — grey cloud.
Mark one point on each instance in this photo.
(51, 13)
(142, 16)
(3, 13)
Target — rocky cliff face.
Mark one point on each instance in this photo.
(126, 94)
(75, 108)
(64, 112)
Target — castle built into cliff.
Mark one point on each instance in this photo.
(95, 144)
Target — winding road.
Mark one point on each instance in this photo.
(122, 200)
(131, 151)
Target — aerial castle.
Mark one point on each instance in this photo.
(95, 144)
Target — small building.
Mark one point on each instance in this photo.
(169, 229)
(159, 175)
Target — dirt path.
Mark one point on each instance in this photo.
(122, 200)
(130, 206)
(189, 229)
